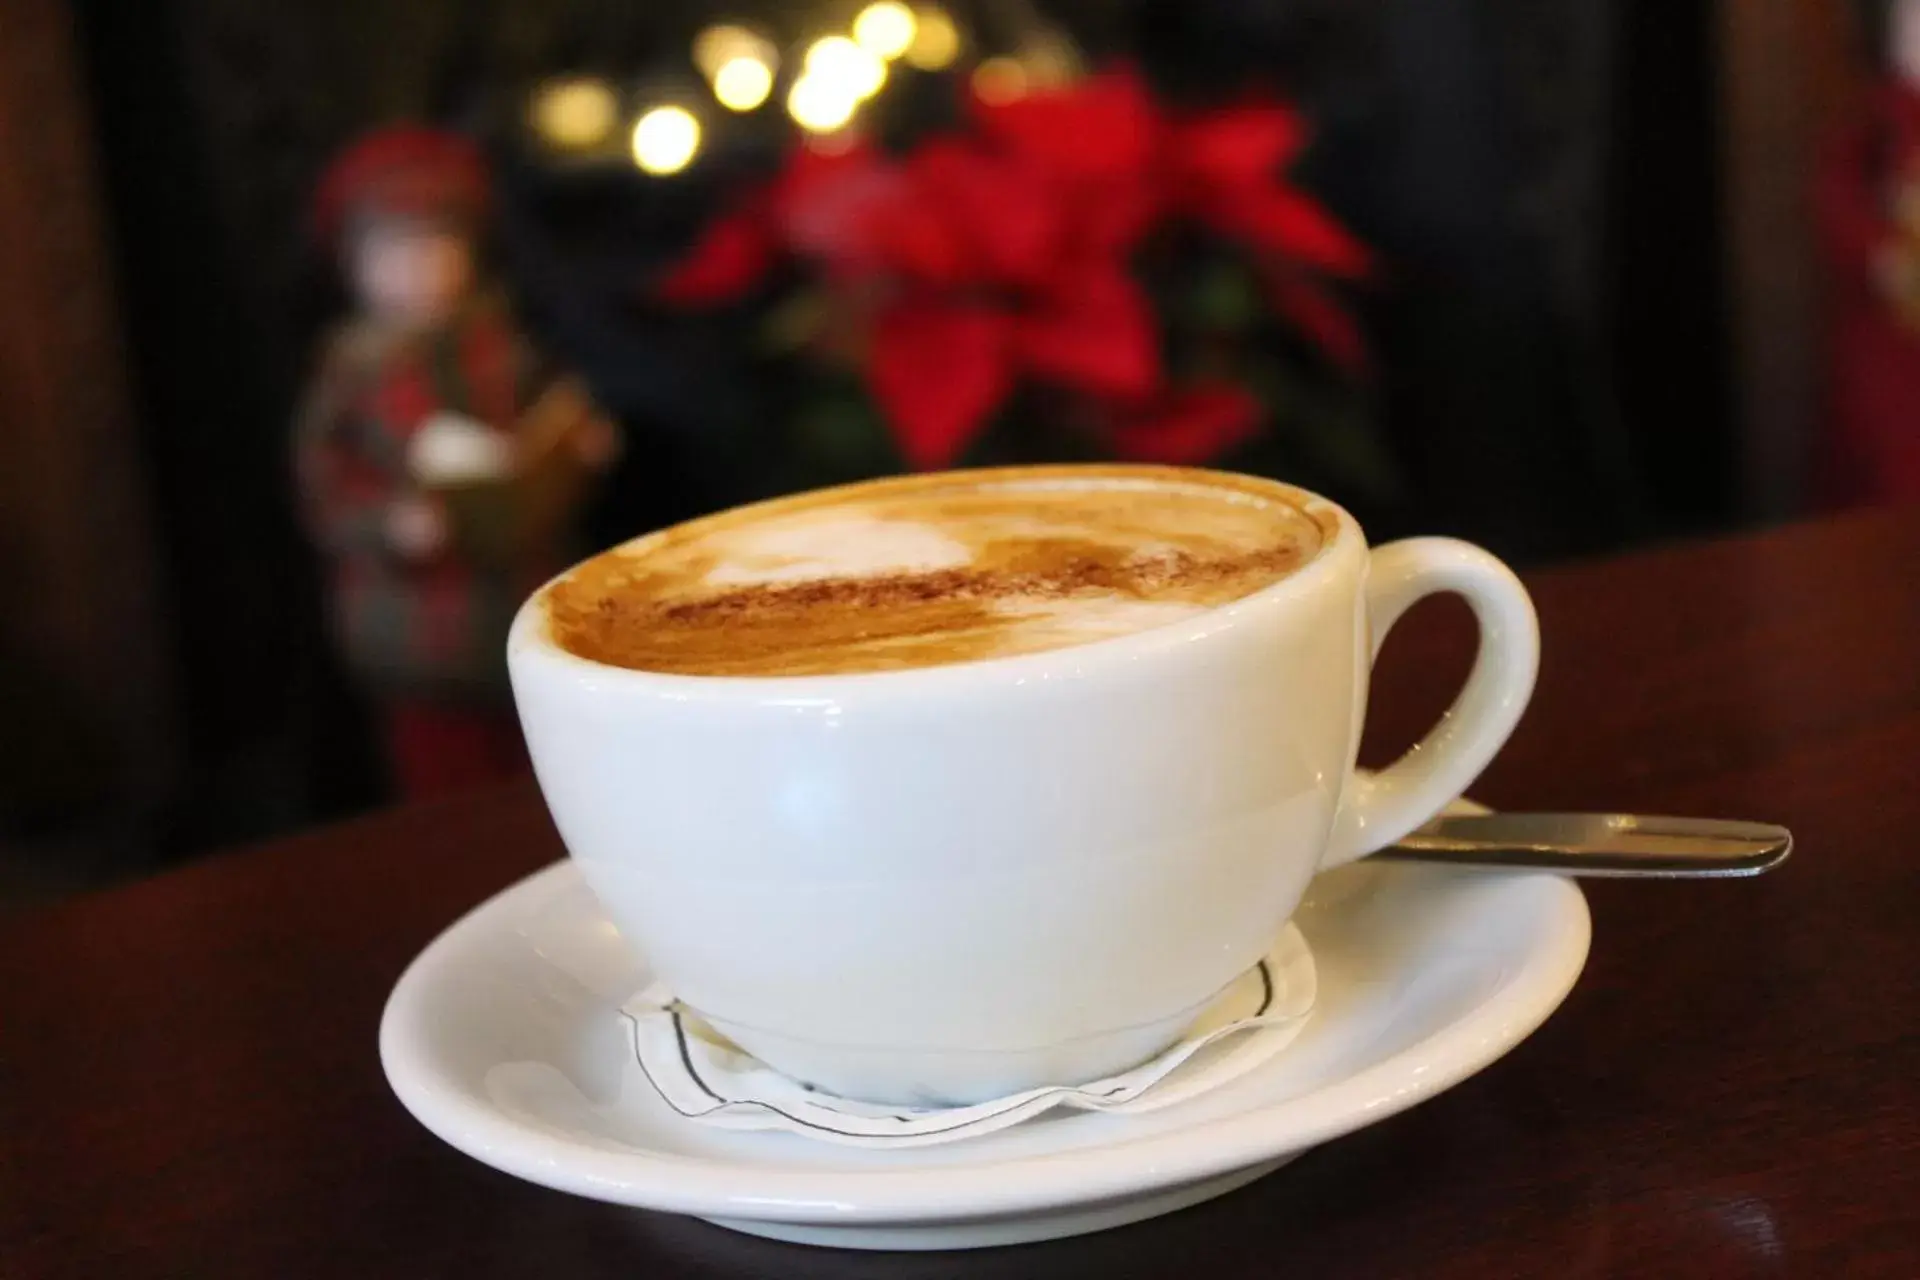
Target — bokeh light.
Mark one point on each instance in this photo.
(819, 105)
(575, 114)
(742, 83)
(1050, 60)
(665, 140)
(936, 41)
(714, 47)
(885, 28)
(999, 80)
(840, 62)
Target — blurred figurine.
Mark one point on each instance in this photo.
(440, 461)
(1869, 205)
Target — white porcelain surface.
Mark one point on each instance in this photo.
(503, 1038)
(955, 882)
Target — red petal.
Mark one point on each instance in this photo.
(1326, 323)
(1113, 216)
(825, 204)
(1096, 334)
(1240, 144)
(1291, 224)
(725, 262)
(1103, 127)
(914, 236)
(860, 214)
(1191, 427)
(1010, 215)
(937, 371)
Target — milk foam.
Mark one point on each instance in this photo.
(837, 545)
(1080, 619)
(924, 572)
(833, 545)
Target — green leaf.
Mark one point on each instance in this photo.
(838, 436)
(793, 323)
(1346, 442)
(1225, 297)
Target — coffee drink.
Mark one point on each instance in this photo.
(926, 571)
(960, 879)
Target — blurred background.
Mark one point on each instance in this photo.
(1626, 279)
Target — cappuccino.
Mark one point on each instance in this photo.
(929, 570)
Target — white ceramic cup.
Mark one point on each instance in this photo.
(951, 883)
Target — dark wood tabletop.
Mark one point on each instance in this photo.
(189, 1084)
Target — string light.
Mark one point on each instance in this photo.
(885, 28)
(999, 80)
(820, 105)
(1050, 60)
(936, 41)
(714, 47)
(840, 62)
(665, 140)
(575, 114)
(742, 83)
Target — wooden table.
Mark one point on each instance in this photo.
(188, 1082)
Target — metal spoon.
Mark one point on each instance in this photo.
(1598, 844)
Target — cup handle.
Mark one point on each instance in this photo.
(1381, 808)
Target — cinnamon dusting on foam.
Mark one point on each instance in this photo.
(928, 571)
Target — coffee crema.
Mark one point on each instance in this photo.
(930, 570)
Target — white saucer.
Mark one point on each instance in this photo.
(503, 1038)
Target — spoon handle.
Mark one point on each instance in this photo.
(1598, 844)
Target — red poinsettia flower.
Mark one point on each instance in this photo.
(1188, 427)
(1004, 254)
(985, 294)
(968, 241)
(1226, 167)
(726, 262)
